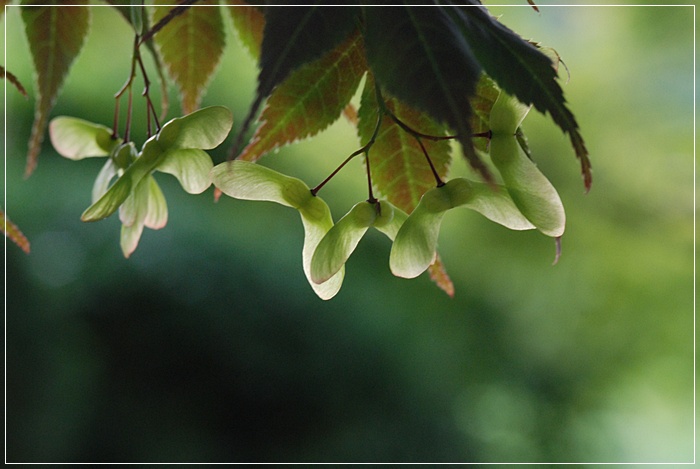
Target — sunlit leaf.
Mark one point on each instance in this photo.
(249, 23)
(250, 181)
(13, 232)
(190, 46)
(418, 55)
(520, 69)
(400, 170)
(56, 32)
(77, 138)
(310, 99)
(206, 129)
(438, 274)
(294, 36)
(191, 166)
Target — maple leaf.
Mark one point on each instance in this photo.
(190, 45)
(310, 99)
(400, 171)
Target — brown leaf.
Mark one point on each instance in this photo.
(56, 32)
(190, 46)
(14, 233)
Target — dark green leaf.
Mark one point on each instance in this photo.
(419, 56)
(520, 69)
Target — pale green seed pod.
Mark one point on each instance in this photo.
(531, 191)
(415, 245)
(250, 181)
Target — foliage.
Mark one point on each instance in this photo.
(431, 75)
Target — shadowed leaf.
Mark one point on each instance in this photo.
(56, 32)
(520, 69)
(190, 46)
(419, 56)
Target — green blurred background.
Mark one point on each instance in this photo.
(208, 345)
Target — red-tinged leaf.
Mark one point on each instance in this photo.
(13, 79)
(249, 22)
(56, 32)
(190, 46)
(439, 276)
(400, 170)
(14, 233)
(486, 94)
(310, 99)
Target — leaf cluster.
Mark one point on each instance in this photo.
(430, 75)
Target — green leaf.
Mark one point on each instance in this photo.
(55, 35)
(77, 138)
(249, 23)
(250, 181)
(400, 171)
(310, 99)
(190, 46)
(521, 70)
(419, 56)
(191, 166)
(206, 129)
(486, 94)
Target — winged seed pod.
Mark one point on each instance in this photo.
(415, 246)
(341, 240)
(249, 181)
(531, 191)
